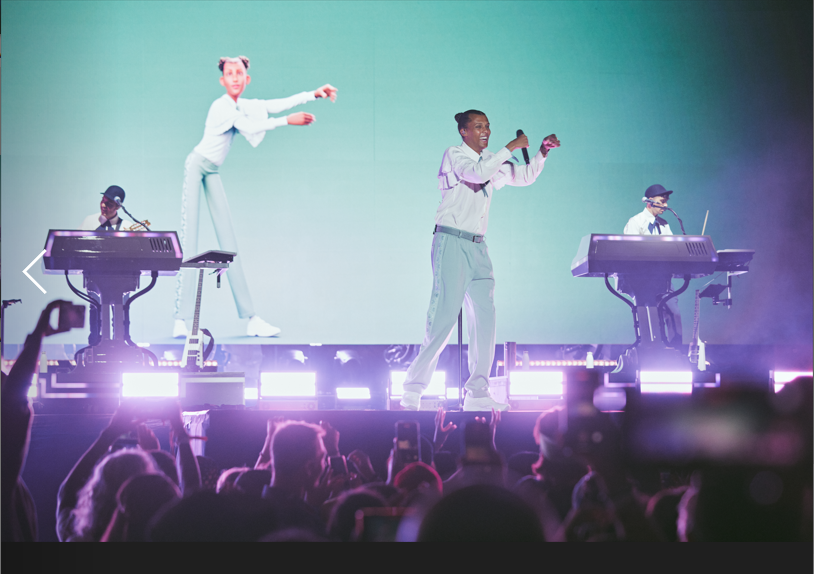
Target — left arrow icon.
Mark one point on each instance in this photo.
(30, 265)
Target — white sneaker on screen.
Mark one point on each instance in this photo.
(259, 328)
(179, 330)
(483, 404)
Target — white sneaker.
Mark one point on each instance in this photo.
(179, 330)
(259, 328)
(483, 404)
(410, 401)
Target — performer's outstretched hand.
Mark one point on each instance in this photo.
(300, 119)
(326, 91)
(550, 142)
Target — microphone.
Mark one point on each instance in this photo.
(649, 201)
(525, 151)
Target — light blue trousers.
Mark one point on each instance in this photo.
(200, 174)
(462, 275)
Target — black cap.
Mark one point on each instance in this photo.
(656, 190)
(113, 192)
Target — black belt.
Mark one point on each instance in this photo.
(458, 233)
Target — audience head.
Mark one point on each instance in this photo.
(226, 481)
(166, 464)
(97, 499)
(252, 482)
(209, 472)
(342, 522)
(205, 516)
(297, 453)
(138, 501)
(481, 513)
(416, 474)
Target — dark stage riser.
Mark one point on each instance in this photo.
(235, 438)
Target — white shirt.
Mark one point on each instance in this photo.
(640, 225)
(249, 117)
(464, 205)
(93, 221)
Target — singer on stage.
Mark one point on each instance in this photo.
(229, 114)
(462, 270)
(649, 222)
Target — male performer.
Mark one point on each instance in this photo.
(108, 219)
(229, 114)
(462, 270)
(648, 222)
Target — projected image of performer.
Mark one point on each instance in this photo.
(462, 270)
(229, 114)
(649, 222)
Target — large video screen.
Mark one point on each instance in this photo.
(333, 221)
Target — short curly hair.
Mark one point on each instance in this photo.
(242, 59)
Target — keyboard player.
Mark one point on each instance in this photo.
(649, 222)
(106, 220)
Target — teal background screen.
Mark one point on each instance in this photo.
(711, 99)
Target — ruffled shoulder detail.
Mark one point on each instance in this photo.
(447, 179)
(221, 117)
(255, 110)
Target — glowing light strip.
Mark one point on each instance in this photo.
(288, 385)
(665, 377)
(545, 383)
(437, 386)
(683, 388)
(149, 385)
(352, 393)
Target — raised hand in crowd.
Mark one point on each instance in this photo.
(146, 438)
(18, 513)
(264, 459)
(493, 422)
(363, 465)
(442, 431)
(330, 439)
(188, 469)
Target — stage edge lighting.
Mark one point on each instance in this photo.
(780, 378)
(535, 383)
(275, 385)
(353, 393)
(149, 385)
(436, 387)
(666, 381)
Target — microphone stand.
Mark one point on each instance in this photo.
(145, 226)
(681, 223)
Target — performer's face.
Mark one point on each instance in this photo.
(234, 79)
(108, 207)
(662, 199)
(477, 132)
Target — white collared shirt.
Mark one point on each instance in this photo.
(640, 225)
(461, 179)
(249, 117)
(93, 221)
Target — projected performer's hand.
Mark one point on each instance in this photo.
(549, 143)
(300, 119)
(326, 91)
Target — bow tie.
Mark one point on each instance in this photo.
(656, 225)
